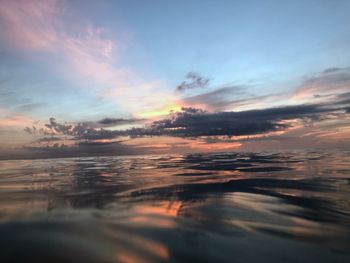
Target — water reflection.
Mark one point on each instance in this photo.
(196, 208)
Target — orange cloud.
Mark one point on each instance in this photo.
(11, 127)
(15, 121)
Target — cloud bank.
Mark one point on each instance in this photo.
(322, 114)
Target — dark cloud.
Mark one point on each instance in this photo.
(331, 70)
(29, 130)
(79, 131)
(83, 130)
(193, 80)
(59, 128)
(342, 99)
(190, 123)
(118, 121)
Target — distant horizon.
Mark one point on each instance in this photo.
(43, 156)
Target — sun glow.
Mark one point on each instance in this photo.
(160, 111)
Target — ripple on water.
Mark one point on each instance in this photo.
(226, 207)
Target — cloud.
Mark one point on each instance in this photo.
(193, 80)
(192, 123)
(322, 85)
(331, 70)
(342, 99)
(198, 130)
(30, 24)
(76, 131)
(28, 107)
(118, 121)
(12, 119)
(217, 99)
(83, 53)
(15, 121)
(280, 123)
(41, 26)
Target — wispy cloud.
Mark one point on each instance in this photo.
(31, 24)
(331, 85)
(82, 51)
(40, 26)
(15, 121)
(9, 119)
(322, 86)
(216, 100)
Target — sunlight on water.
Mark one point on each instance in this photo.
(230, 207)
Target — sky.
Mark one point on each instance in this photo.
(136, 77)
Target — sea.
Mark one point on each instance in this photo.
(273, 206)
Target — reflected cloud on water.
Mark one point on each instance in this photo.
(196, 208)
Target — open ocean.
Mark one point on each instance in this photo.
(228, 207)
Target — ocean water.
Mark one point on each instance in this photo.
(228, 207)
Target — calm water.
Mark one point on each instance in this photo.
(238, 207)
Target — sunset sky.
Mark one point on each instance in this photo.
(135, 77)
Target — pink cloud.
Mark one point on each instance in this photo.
(30, 24)
(39, 26)
(86, 56)
(324, 85)
(15, 121)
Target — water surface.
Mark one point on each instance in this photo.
(229, 207)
